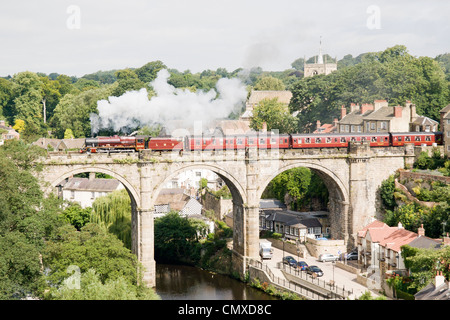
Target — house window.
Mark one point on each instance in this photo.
(92, 195)
(427, 128)
(72, 194)
(372, 126)
(384, 125)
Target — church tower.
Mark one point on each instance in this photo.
(320, 66)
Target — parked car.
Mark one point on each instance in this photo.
(290, 261)
(302, 265)
(352, 256)
(328, 257)
(314, 270)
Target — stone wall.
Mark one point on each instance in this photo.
(220, 206)
(406, 174)
(317, 247)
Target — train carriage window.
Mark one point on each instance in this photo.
(342, 139)
(427, 138)
(407, 139)
(353, 139)
(285, 140)
(417, 138)
(328, 140)
(318, 140)
(374, 139)
(307, 140)
(197, 142)
(363, 139)
(273, 141)
(399, 138)
(239, 141)
(335, 140)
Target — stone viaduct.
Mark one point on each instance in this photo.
(352, 176)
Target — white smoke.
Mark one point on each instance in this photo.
(134, 108)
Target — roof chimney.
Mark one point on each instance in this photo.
(343, 112)
(318, 124)
(335, 122)
(398, 111)
(421, 231)
(366, 107)
(400, 226)
(439, 280)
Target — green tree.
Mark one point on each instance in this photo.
(387, 191)
(174, 238)
(113, 211)
(391, 74)
(73, 111)
(90, 248)
(127, 80)
(68, 134)
(296, 187)
(269, 83)
(27, 220)
(92, 288)
(148, 72)
(275, 114)
(76, 215)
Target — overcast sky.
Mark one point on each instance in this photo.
(79, 37)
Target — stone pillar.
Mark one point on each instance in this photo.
(146, 235)
(359, 210)
(147, 251)
(246, 220)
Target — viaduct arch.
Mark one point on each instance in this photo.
(352, 176)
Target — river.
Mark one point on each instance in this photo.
(178, 282)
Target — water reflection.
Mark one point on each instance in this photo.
(174, 282)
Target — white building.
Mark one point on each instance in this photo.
(85, 191)
(190, 179)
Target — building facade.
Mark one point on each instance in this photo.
(380, 117)
(7, 132)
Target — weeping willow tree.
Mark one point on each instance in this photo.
(113, 211)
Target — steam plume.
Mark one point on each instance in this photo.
(134, 108)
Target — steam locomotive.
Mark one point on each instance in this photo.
(256, 140)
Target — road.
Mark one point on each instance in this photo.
(341, 277)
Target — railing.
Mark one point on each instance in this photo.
(298, 288)
(330, 286)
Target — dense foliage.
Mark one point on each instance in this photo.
(40, 241)
(47, 105)
(297, 188)
(392, 74)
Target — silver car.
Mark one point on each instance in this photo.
(328, 257)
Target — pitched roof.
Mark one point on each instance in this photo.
(422, 120)
(431, 292)
(446, 110)
(425, 243)
(257, 95)
(271, 204)
(85, 184)
(292, 219)
(390, 237)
